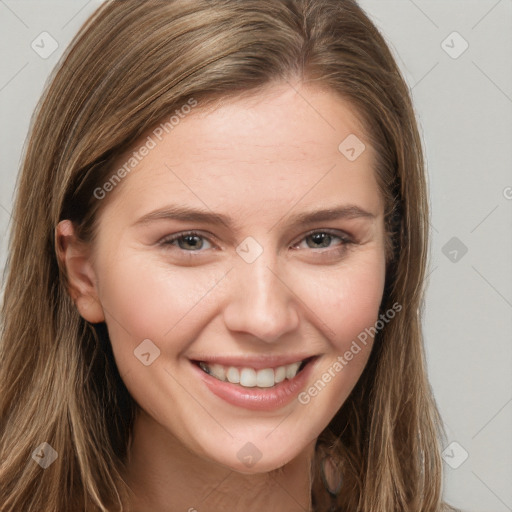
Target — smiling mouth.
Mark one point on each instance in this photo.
(249, 377)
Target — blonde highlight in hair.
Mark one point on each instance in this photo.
(131, 64)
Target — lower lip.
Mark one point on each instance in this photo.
(258, 399)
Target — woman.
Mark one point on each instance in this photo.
(216, 270)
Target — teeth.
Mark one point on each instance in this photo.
(233, 375)
(265, 378)
(279, 374)
(249, 377)
(218, 371)
(292, 369)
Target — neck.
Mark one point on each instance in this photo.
(167, 477)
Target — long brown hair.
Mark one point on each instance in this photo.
(132, 64)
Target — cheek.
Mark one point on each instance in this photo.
(346, 298)
(144, 299)
(346, 301)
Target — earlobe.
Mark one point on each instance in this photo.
(90, 309)
(74, 259)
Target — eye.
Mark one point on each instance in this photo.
(322, 239)
(189, 241)
(192, 241)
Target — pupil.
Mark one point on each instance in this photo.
(187, 239)
(317, 237)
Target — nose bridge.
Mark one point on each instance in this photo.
(260, 302)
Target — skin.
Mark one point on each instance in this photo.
(259, 160)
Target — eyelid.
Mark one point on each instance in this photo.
(342, 235)
(168, 239)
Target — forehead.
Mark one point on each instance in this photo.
(281, 122)
(275, 148)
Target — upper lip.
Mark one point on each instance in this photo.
(256, 362)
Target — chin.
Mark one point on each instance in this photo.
(250, 460)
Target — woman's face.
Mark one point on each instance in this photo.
(257, 286)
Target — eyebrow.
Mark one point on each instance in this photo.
(188, 214)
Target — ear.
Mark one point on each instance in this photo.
(74, 258)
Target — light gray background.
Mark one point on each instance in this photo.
(464, 106)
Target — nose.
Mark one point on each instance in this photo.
(261, 301)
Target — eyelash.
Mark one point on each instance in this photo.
(340, 248)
